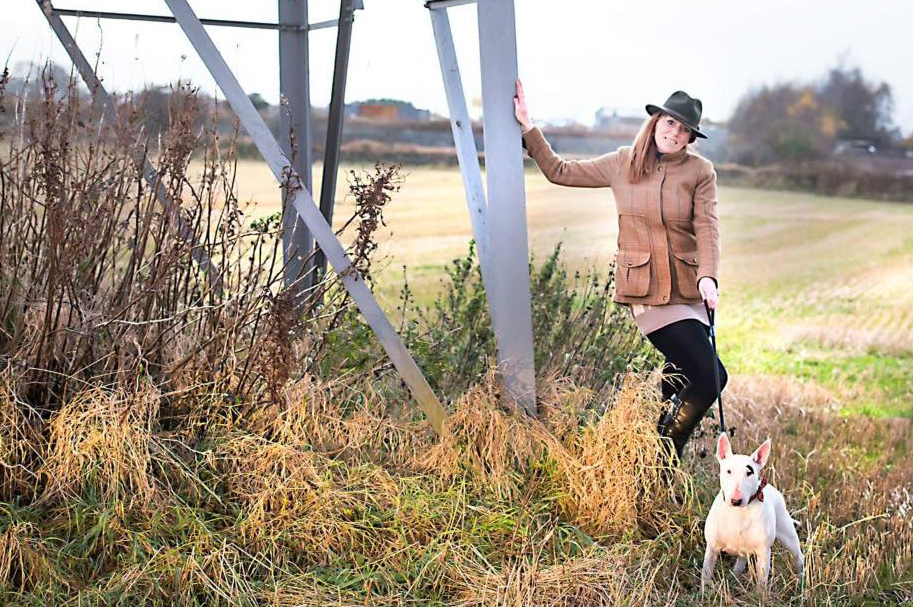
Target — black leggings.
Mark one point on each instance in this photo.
(688, 371)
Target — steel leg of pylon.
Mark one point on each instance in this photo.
(294, 89)
(304, 203)
(509, 251)
(213, 277)
(335, 120)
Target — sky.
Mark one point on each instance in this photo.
(574, 56)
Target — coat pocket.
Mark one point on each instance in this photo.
(632, 273)
(686, 273)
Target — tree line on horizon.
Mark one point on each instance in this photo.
(781, 122)
(794, 121)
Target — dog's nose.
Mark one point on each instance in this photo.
(735, 502)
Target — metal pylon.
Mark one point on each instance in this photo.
(499, 222)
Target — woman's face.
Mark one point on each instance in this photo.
(671, 135)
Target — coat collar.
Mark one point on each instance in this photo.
(675, 156)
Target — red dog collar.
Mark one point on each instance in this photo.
(759, 495)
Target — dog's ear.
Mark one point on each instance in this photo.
(723, 448)
(761, 454)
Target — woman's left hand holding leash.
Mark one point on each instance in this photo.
(707, 287)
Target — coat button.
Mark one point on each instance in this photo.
(694, 260)
(660, 169)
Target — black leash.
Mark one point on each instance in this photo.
(716, 364)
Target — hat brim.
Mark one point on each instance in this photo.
(652, 109)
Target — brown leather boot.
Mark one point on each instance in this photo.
(680, 424)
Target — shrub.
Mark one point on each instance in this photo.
(578, 332)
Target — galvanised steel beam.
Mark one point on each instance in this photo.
(509, 251)
(68, 12)
(213, 276)
(260, 25)
(334, 122)
(306, 207)
(464, 141)
(295, 121)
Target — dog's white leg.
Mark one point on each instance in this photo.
(763, 568)
(791, 541)
(786, 534)
(710, 556)
(740, 565)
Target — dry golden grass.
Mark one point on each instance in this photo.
(24, 561)
(616, 477)
(493, 449)
(571, 509)
(598, 577)
(300, 500)
(309, 416)
(103, 439)
(607, 475)
(206, 566)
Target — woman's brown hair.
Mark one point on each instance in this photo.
(643, 156)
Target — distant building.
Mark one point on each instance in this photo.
(378, 111)
(621, 124)
(387, 110)
(715, 146)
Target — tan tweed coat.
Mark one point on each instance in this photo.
(668, 232)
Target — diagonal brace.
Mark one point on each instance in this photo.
(464, 141)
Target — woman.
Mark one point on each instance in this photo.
(668, 244)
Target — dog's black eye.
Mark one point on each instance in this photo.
(729, 472)
(750, 470)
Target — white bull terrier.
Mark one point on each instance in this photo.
(747, 515)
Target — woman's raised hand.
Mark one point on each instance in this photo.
(520, 110)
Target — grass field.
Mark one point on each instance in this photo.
(814, 288)
(196, 460)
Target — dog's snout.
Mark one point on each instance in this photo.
(736, 502)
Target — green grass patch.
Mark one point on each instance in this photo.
(870, 384)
